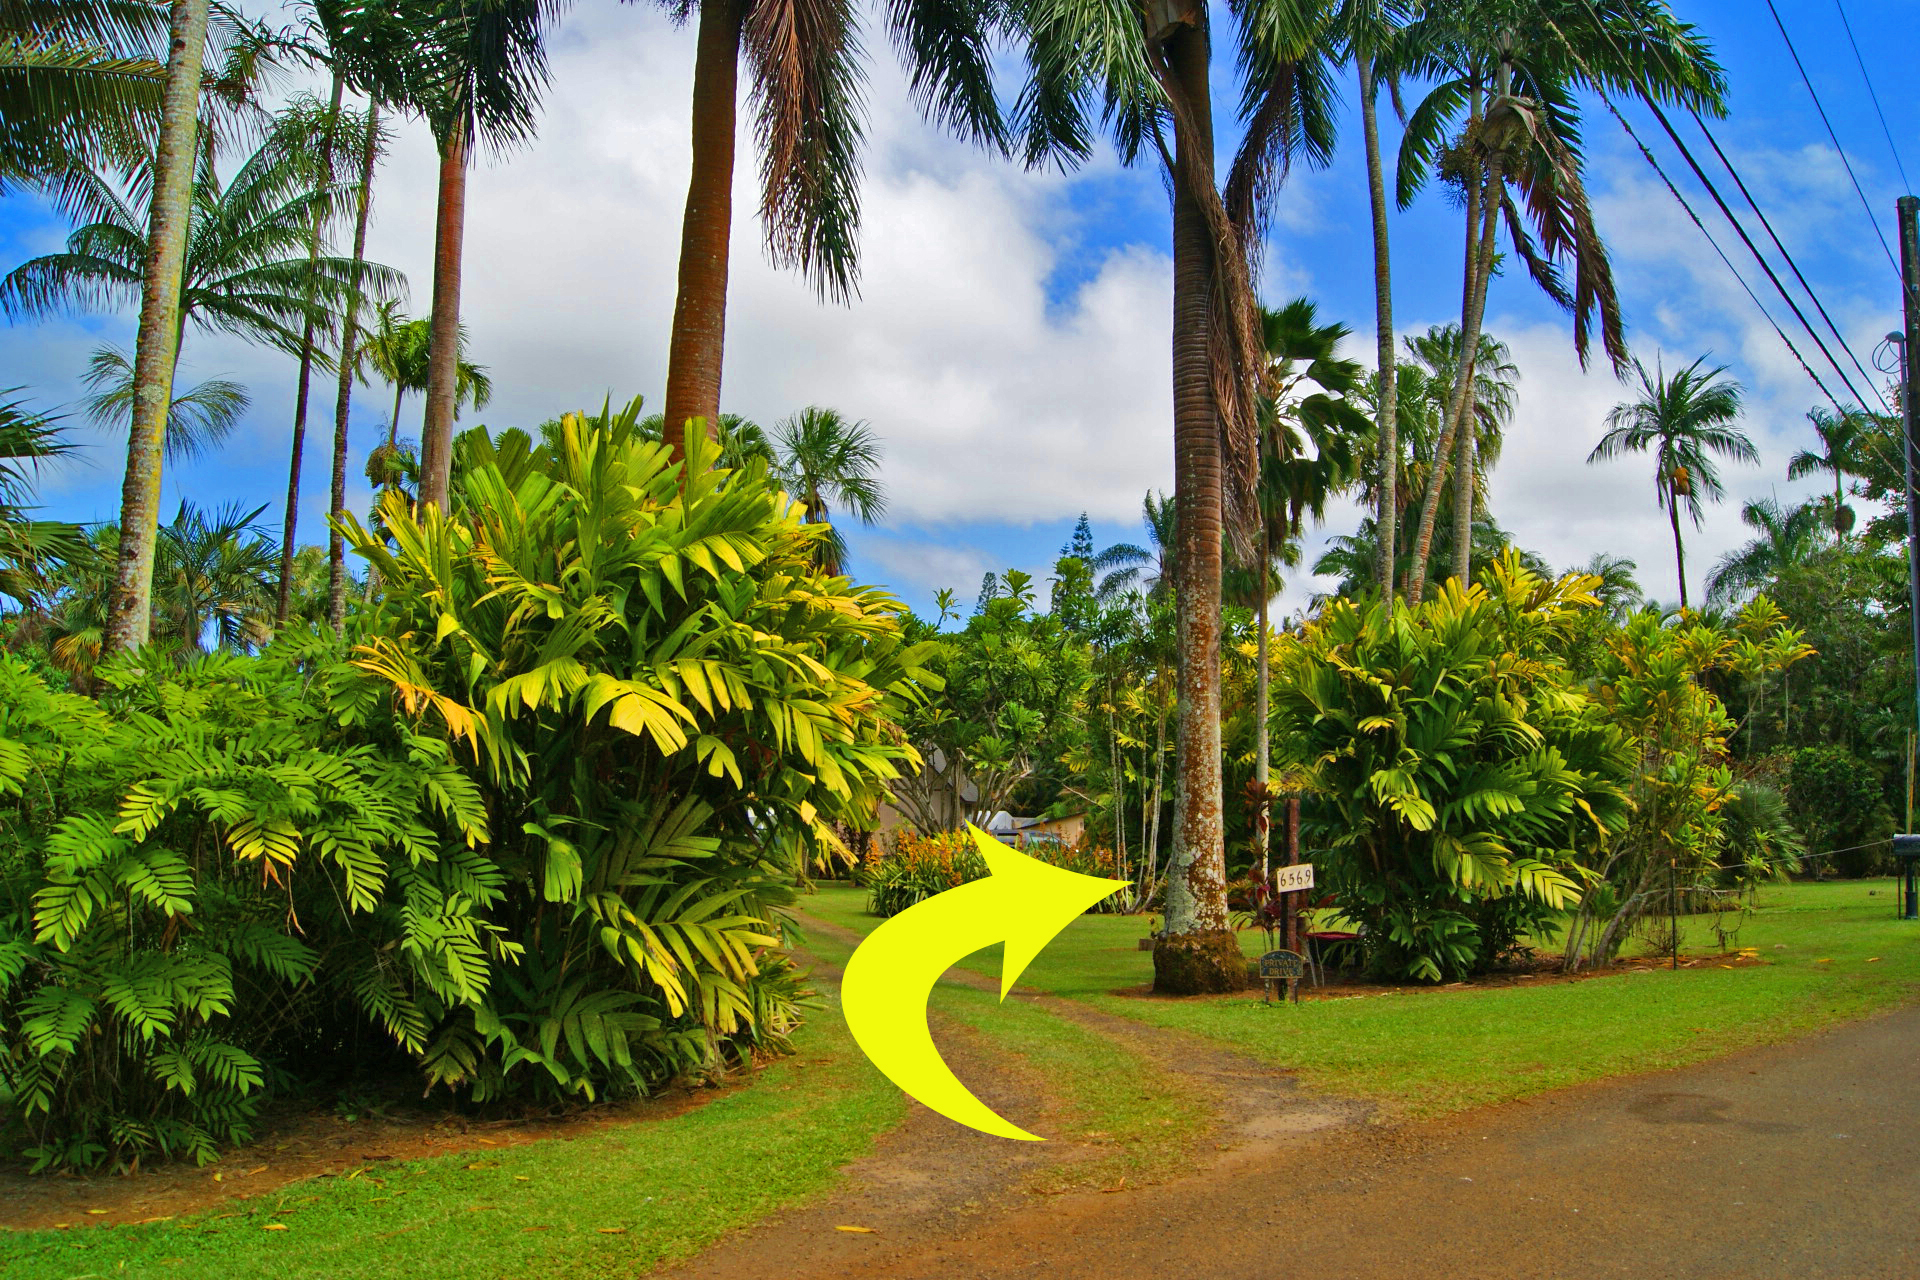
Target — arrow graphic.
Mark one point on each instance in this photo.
(1023, 902)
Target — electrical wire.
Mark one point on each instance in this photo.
(1847, 164)
(1715, 245)
(1868, 81)
(1675, 191)
(1793, 266)
(1741, 231)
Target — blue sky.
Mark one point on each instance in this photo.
(1010, 341)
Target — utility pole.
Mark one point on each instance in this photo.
(1908, 208)
(1908, 212)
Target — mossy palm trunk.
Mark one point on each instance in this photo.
(698, 341)
(443, 361)
(1387, 508)
(1197, 952)
(343, 397)
(304, 384)
(157, 347)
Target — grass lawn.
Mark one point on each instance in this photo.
(615, 1203)
(1832, 952)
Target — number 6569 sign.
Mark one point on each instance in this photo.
(1289, 879)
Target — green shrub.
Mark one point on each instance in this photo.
(175, 858)
(663, 702)
(917, 867)
(533, 832)
(1459, 769)
(1840, 805)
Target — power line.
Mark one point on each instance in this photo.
(1708, 236)
(1741, 231)
(1793, 266)
(1847, 164)
(1868, 81)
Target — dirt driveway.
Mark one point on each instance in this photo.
(1799, 1161)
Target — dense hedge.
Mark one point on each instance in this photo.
(529, 835)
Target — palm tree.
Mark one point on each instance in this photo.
(400, 351)
(373, 143)
(806, 73)
(82, 84)
(825, 461)
(1619, 589)
(215, 571)
(741, 440)
(1367, 27)
(1152, 76)
(1129, 566)
(1684, 420)
(30, 550)
(1843, 439)
(324, 131)
(1787, 536)
(1502, 124)
(79, 89)
(476, 75)
(1304, 398)
(1492, 399)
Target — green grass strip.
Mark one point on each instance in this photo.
(1832, 952)
(614, 1203)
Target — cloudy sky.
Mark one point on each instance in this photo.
(1010, 340)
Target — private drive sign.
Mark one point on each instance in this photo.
(1293, 878)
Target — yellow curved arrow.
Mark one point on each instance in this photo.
(1023, 902)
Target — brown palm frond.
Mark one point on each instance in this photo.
(806, 56)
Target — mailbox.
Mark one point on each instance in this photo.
(1907, 850)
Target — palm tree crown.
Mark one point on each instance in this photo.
(246, 269)
(825, 461)
(1786, 537)
(1843, 438)
(1684, 420)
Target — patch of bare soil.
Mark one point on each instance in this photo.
(932, 1182)
(301, 1145)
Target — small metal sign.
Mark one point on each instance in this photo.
(1281, 964)
(1293, 878)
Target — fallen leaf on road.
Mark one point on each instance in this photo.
(865, 1231)
(96, 1211)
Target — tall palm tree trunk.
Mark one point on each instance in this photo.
(1479, 269)
(1465, 475)
(303, 385)
(700, 307)
(1679, 552)
(443, 358)
(343, 396)
(1387, 514)
(1197, 952)
(158, 345)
